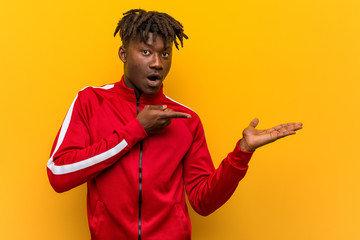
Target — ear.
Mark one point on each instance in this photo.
(122, 54)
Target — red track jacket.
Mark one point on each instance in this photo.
(136, 182)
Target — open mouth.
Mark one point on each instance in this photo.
(154, 77)
(154, 80)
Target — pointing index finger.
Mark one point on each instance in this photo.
(157, 107)
(175, 115)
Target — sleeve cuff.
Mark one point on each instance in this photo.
(240, 158)
(134, 132)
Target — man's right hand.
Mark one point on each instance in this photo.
(157, 117)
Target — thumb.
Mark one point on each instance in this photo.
(254, 123)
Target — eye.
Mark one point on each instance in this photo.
(165, 54)
(145, 52)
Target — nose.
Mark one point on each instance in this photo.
(156, 62)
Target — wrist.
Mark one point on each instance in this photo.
(244, 146)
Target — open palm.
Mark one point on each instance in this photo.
(254, 138)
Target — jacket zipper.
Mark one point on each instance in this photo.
(140, 172)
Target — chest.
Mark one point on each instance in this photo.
(111, 114)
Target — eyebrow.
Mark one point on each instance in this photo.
(165, 48)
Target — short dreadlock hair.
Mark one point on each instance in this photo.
(138, 21)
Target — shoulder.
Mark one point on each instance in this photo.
(91, 93)
(171, 103)
(96, 90)
(92, 97)
(194, 122)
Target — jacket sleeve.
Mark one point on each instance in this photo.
(74, 161)
(209, 188)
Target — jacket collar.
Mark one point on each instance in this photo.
(129, 94)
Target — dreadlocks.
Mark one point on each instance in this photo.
(140, 21)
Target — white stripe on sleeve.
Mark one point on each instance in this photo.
(72, 167)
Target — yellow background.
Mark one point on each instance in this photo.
(278, 60)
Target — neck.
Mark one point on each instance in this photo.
(132, 86)
(137, 93)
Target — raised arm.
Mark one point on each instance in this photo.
(207, 188)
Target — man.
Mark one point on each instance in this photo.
(137, 149)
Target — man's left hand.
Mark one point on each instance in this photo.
(254, 138)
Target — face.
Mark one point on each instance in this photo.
(146, 64)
